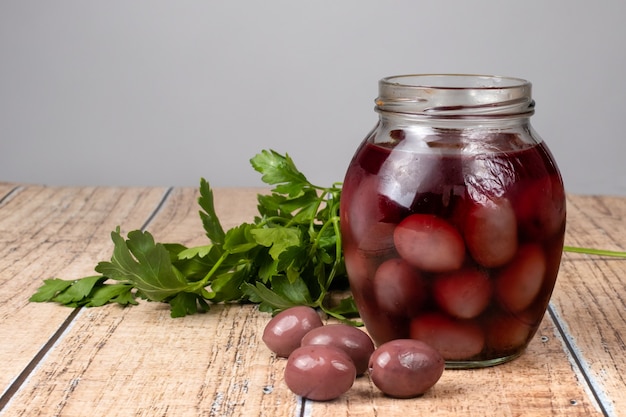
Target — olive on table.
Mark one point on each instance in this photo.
(284, 332)
(405, 368)
(319, 372)
(356, 343)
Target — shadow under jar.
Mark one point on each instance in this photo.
(453, 217)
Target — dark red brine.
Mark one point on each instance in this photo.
(453, 218)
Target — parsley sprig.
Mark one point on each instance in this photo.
(289, 255)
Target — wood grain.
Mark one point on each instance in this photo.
(140, 362)
(50, 232)
(590, 298)
(539, 383)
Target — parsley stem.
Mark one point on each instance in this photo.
(590, 251)
(273, 219)
(203, 282)
(338, 251)
(341, 317)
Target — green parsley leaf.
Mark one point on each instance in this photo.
(239, 239)
(268, 297)
(50, 289)
(295, 291)
(185, 303)
(278, 169)
(211, 223)
(144, 263)
(78, 291)
(119, 292)
(277, 238)
(227, 286)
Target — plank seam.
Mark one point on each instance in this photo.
(10, 194)
(577, 362)
(305, 407)
(21, 378)
(157, 210)
(17, 383)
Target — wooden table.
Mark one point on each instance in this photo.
(137, 361)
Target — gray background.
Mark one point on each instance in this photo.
(165, 92)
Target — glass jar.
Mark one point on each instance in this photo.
(453, 217)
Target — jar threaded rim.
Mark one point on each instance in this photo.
(455, 95)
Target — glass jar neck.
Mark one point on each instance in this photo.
(455, 96)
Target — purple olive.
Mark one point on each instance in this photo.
(283, 333)
(356, 343)
(405, 368)
(319, 372)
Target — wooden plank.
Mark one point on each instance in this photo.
(139, 361)
(596, 222)
(590, 299)
(120, 365)
(539, 383)
(46, 232)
